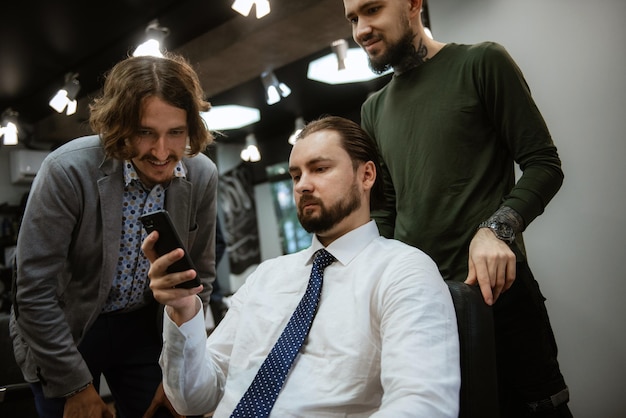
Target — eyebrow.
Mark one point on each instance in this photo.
(310, 163)
(350, 14)
(169, 129)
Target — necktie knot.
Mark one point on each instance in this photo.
(323, 259)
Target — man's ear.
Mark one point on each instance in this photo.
(368, 176)
(415, 8)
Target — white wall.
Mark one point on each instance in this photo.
(573, 56)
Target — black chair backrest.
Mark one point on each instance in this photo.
(479, 383)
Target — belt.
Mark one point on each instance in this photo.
(550, 403)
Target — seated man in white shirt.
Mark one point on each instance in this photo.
(383, 342)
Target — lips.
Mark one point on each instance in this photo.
(370, 47)
(159, 163)
(308, 204)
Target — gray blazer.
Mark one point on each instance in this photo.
(68, 247)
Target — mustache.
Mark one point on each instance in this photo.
(369, 37)
(308, 200)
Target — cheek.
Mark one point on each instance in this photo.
(179, 147)
(139, 147)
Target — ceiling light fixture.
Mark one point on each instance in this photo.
(244, 7)
(298, 128)
(343, 65)
(251, 151)
(8, 129)
(66, 96)
(222, 118)
(274, 90)
(155, 35)
(340, 49)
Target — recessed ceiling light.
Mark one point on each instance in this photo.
(222, 118)
(357, 69)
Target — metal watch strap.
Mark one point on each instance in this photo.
(74, 392)
(498, 228)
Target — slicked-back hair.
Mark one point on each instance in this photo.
(359, 146)
(116, 114)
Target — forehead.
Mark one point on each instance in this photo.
(324, 144)
(154, 108)
(353, 6)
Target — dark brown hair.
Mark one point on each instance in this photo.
(359, 146)
(116, 114)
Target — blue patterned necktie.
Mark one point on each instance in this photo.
(259, 399)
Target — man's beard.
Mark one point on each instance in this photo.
(394, 55)
(329, 217)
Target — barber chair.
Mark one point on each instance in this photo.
(479, 388)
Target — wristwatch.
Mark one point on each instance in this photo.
(502, 230)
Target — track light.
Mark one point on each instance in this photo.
(340, 49)
(251, 151)
(8, 129)
(244, 7)
(66, 96)
(274, 90)
(155, 35)
(298, 128)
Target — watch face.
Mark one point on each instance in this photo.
(503, 231)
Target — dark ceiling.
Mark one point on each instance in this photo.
(43, 40)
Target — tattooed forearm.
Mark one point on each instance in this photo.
(510, 217)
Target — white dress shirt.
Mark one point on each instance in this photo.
(383, 343)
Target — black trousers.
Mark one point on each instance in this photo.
(526, 350)
(125, 348)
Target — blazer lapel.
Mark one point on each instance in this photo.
(111, 191)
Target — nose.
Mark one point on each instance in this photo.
(361, 31)
(303, 185)
(160, 149)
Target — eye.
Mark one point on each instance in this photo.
(372, 10)
(178, 132)
(295, 177)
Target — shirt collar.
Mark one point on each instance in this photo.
(130, 174)
(349, 245)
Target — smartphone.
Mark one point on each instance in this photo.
(168, 241)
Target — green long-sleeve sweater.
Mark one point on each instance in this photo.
(449, 132)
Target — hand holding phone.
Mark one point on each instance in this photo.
(168, 241)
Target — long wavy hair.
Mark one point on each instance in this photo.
(116, 114)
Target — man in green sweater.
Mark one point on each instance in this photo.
(450, 125)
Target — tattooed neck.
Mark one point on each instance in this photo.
(416, 58)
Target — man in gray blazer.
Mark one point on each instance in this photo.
(82, 306)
